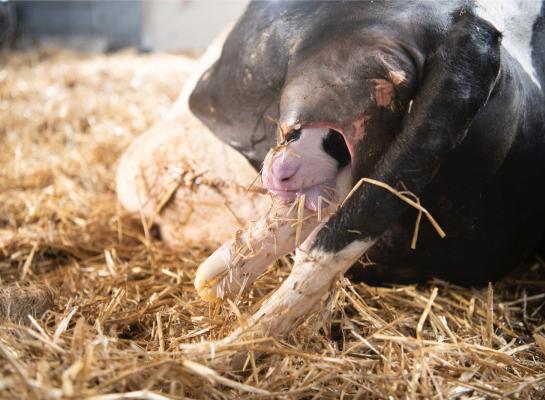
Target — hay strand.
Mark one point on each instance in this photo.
(402, 196)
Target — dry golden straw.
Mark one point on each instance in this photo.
(123, 319)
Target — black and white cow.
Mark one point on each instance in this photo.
(441, 98)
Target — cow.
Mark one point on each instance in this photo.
(440, 98)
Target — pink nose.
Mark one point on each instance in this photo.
(283, 170)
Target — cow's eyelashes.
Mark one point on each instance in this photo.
(292, 136)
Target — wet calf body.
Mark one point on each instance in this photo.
(441, 99)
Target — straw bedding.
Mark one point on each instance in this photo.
(94, 306)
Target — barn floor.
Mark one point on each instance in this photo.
(122, 319)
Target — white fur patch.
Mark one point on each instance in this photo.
(515, 19)
(335, 263)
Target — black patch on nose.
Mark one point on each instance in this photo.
(335, 146)
(292, 136)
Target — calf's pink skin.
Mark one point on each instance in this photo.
(302, 167)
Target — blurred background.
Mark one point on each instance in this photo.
(101, 26)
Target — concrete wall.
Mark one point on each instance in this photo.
(186, 24)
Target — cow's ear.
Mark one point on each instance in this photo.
(456, 83)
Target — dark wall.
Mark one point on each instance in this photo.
(119, 22)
